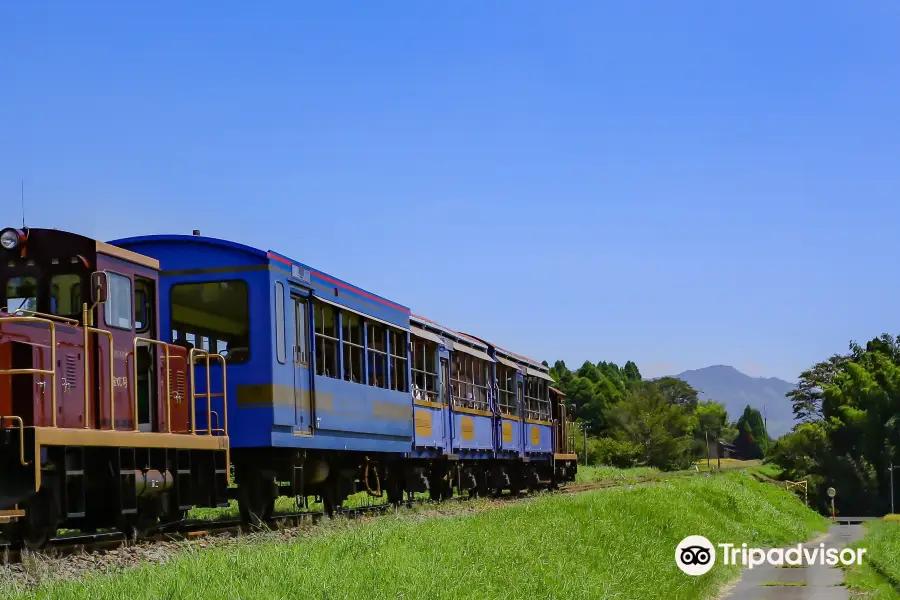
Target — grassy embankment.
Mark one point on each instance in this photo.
(878, 578)
(588, 474)
(615, 543)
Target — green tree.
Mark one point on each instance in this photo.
(631, 372)
(660, 428)
(712, 419)
(752, 438)
(589, 371)
(676, 391)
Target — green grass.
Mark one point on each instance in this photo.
(769, 470)
(615, 543)
(878, 578)
(282, 505)
(592, 474)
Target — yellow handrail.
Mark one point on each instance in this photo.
(193, 355)
(21, 438)
(168, 382)
(34, 313)
(112, 393)
(50, 372)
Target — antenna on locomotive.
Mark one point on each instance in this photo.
(23, 203)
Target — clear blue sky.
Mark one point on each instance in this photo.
(680, 184)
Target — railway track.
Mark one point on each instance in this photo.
(79, 543)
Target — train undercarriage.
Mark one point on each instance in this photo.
(264, 474)
(91, 480)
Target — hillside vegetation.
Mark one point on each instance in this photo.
(617, 543)
(849, 437)
(878, 578)
(660, 423)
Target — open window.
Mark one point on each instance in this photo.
(214, 316)
(21, 293)
(425, 370)
(325, 322)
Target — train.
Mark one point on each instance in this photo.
(144, 376)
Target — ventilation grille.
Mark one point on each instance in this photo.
(71, 369)
(178, 384)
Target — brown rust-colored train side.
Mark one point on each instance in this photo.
(565, 460)
(70, 426)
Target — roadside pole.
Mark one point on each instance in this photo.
(892, 487)
(584, 431)
(706, 433)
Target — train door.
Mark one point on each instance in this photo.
(303, 390)
(523, 408)
(146, 356)
(445, 400)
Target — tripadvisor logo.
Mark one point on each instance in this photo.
(696, 555)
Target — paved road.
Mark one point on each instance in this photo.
(822, 582)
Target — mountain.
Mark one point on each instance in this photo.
(736, 390)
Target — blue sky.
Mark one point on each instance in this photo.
(680, 184)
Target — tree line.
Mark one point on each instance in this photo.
(849, 432)
(661, 423)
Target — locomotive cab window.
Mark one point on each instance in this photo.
(21, 294)
(119, 305)
(213, 315)
(65, 295)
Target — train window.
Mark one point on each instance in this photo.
(280, 350)
(214, 313)
(21, 293)
(377, 351)
(537, 402)
(326, 341)
(424, 370)
(506, 382)
(65, 295)
(398, 360)
(144, 297)
(119, 305)
(351, 329)
(468, 381)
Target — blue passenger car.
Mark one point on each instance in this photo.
(314, 365)
(332, 389)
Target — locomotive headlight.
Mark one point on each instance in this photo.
(10, 238)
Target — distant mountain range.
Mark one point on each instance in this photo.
(736, 390)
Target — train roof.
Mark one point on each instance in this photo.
(433, 327)
(272, 257)
(505, 356)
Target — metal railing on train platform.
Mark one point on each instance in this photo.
(199, 354)
(43, 320)
(51, 321)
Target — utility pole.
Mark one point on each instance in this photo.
(706, 433)
(892, 487)
(584, 431)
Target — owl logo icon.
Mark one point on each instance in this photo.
(695, 555)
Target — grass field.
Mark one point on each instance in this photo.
(616, 543)
(878, 578)
(591, 474)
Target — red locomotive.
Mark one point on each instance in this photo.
(98, 417)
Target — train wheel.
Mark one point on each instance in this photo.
(395, 494)
(328, 502)
(40, 522)
(256, 496)
(141, 525)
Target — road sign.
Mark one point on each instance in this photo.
(831, 492)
